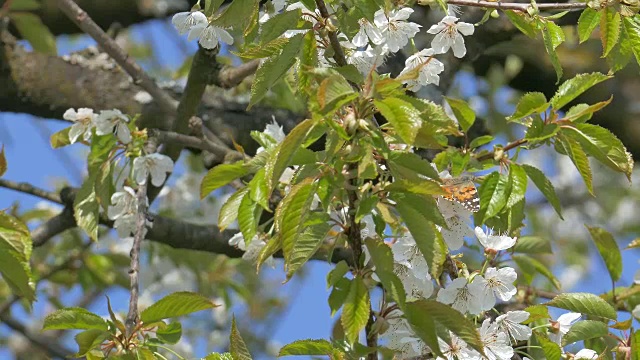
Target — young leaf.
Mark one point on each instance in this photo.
(169, 334)
(585, 329)
(86, 209)
(545, 186)
(74, 318)
(60, 139)
(582, 113)
(237, 14)
(355, 312)
(529, 103)
(15, 254)
(89, 340)
(553, 36)
(383, 260)
(409, 166)
(609, 251)
(278, 24)
(334, 92)
(584, 303)
(550, 349)
(308, 61)
(307, 347)
(574, 87)
(518, 178)
(317, 227)
(229, 211)
(404, 118)
(248, 218)
(495, 192)
(579, 158)
(220, 176)
(35, 32)
(337, 273)
(292, 214)
(587, 22)
(3, 162)
(632, 32)
(338, 294)
(237, 347)
(463, 112)
(519, 20)
(609, 29)
(174, 305)
(532, 245)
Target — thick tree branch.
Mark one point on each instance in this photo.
(170, 137)
(31, 190)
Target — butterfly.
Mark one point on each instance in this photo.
(462, 190)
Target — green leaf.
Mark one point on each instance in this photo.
(237, 347)
(532, 245)
(584, 303)
(16, 272)
(3, 162)
(539, 131)
(552, 36)
(582, 113)
(609, 29)
(60, 139)
(317, 347)
(170, 334)
(337, 273)
(308, 61)
(574, 87)
(587, 22)
(265, 50)
(24, 5)
(229, 211)
(35, 32)
(237, 14)
(334, 92)
(89, 340)
(550, 349)
(216, 356)
(272, 69)
(530, 266)
(603, 145)
(545, 186)
(518, 178)
(220, 176)
(519, 20)
(409, 166)
(355, 312)
(382, 258)
(494, 192)
(308, 242)
(632, 30)
(248, 218)
(292, 214)
(86, 209)
(579, 158)
(285, 152)
(635, 345)
(537, 312)
(174, 305)
(585, 329)
(447, 317)
(74, 318)
(463, 112)
(101, 168)
(480, 140)
(529, 103)
(421, 187)
(278, 24)
(338, 294)
(423, 325)
(402, 115)
(609, 251)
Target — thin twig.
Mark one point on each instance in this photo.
(338, 53)
(517, 6)
(31, 190)
(508, 147)
(84, 22)
(141, 230)
(232, 76)
(191, 141)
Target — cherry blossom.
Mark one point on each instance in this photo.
(124, 210)
(497, 283)
(427, 67)
(368, 31)
(510, 324)
(494, 242)
(274, 131)
(157, 165)
(449, 35)
(185, 21)
(562, 326)
(84, 121)
(463, 296)
(417, 284)
(209, 35)
(456, 349)
(252, 251)
(396, 31)
(586, 354)
(496, 343)
(110, 119)
(401, 338)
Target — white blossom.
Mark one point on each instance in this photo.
(275, 132)
(416, 282)
(463, 296)
(401, 338)
(636, 312)
(496, 343)
(368, 31)
(110, 119)
(396, 31)
(586, 354)
(458, 227)
(252, 251)
(449, 35)
(494, 242)
(498, 283)
(510, 324)
(427, 67)
(209, 35)
(185, 21)
(84, 121)
(124, 211)
(562, 326)
(456, 349)
(157, 165)
(366, 60)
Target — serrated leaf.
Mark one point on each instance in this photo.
(610, 22)
(446, 317)
(292, 213)
(237, 14)
(285, 152)
(278, 24)
(86, 209)
(17, 274)
(217, 356)
(536, 312)
(338, 295)
(518, 178)
(402, 115)
(333, 92)
(265, 50)
(550, 349)
(382, 258)
(410, 166)
(35, 32)
(574, 87)
(480, 140)
(552, 36)
(316, 347)
(518, 19)
(529, 103)
(585, 329)
(539, 131)
(337, 273)
(463, 112)
(248, 218)
(229, 211)
(175, 305)
(609, 251)
(89, 340)
(530, 266)
(494, 192)
(355, 311)
(272, 69)
(170, 334)
(220, 176)
(237, 347)
(308, 61)
(3, 162)
(74, 318)
(632, 31)
(545, 186)
(579, 158)
(587, 22)
(585, 303)
(581, 113)
(532, 245)
(316, 228)
(603, 145)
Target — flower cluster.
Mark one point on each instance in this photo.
(107, 122)
(199, 27)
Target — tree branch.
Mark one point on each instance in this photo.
(338, 53)
(517, 6)
(31, 190)
(169, 137)
(134, 272)
(44, 343)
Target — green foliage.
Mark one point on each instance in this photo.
(175, 305)
(530, 103)
(35, 32)
(74, 318)
(572, 88)
(609, 251)
(237, 347)
(583, 330)
(610, 22)
(383, 260)
(317, 347)
(463, 112)
(587, 22)
(220, 176)
(553, 36)
(15, 254)
(532, 245)
(584, 303)
(355, 312)
(545, 186)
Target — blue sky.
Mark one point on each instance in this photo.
(31, 159)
